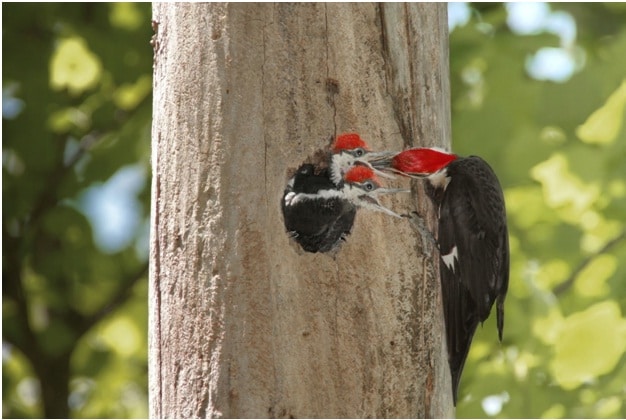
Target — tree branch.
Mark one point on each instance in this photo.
(569, 282)
(48, 198)
(120, 297)
(12, 288)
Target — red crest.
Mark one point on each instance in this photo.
(349, 141)
(360, 174)
(421, 161)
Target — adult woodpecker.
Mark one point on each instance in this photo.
(319, 214)
(472, 239)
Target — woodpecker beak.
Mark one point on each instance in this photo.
(382, 164)
(381, 160)
(382, 174)
(376, 156)
(371, 202)
(390, 191)
(379, 155)
(376, 171)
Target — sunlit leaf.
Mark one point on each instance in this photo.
(547, 328)
(588, 395)
(594, 239)
(66, 119)
(74, 66)
(552, 273)
(590, 344)
(591, 281)
(125, 15)
(523, 363)
(609, 407)
(128, 96)
(557, 411)
(562, 189)
(604, 124)
(15, 369)
(525, 205)
(122, 335)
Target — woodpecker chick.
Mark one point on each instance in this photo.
(319, 215)
(348, 150)
(362, 187)
(472, 239)
(315, 214)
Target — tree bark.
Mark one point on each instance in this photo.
(243, 323)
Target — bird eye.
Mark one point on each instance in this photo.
(369, 186)
(359, 152)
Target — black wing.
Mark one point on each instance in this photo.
(317, 225)
(473, 242)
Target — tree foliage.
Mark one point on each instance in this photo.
(76, 108)
(76, 111)
(559, 150)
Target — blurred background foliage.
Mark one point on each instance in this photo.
(76, 115)
(539, 90)
(543, 102)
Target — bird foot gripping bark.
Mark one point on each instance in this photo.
(419, 224)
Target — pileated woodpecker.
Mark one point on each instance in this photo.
(472, 239)
(319, 214)
(348, 150)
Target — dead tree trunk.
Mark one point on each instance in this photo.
(242, 322)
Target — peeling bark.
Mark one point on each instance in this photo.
(243, 323)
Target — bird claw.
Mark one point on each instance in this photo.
(426, 235)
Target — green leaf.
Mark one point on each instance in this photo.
(590, 344)
(125, 16)
(74, 66)
(552, 273)
(592, 280)
(557, 411)
(562, 189)
(121, 335)
(604, 124)
(128, 96)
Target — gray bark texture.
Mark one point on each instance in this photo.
(243, 323)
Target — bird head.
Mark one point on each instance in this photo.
(362, 186)
(349, 150)
(420, 161)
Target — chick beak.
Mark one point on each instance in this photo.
(376, 157)
(381, 160)
(372, 202)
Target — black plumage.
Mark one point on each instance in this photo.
(474, 248)
(317, 225)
